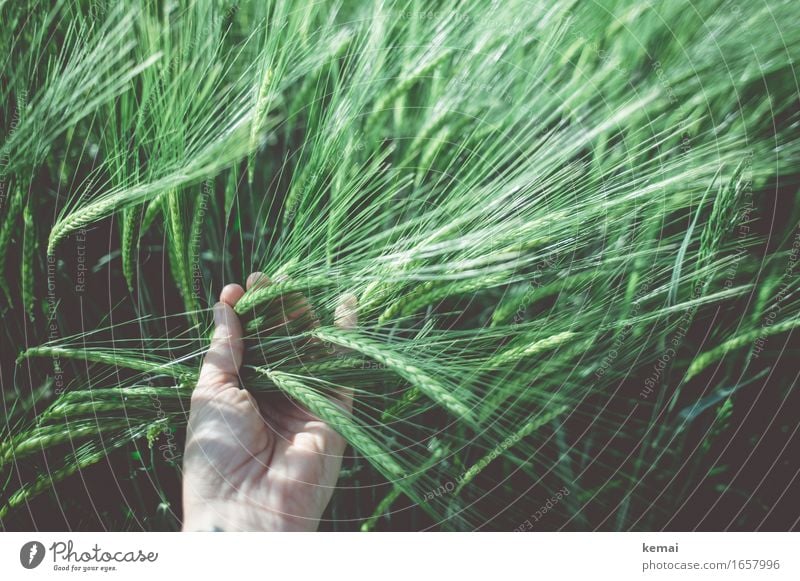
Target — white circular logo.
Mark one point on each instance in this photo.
(31, 554)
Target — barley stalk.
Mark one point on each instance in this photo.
(527, 429)
(387, 502)
(9, 221)
(430, 153)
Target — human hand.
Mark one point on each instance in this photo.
(254, 463)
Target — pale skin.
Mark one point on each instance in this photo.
(253, 463)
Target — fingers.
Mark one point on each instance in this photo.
(220, 368)
(294, 307)
(346, 315)
(231, 294)
(257, 280)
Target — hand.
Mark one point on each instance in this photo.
(252, 463)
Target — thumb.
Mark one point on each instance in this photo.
(220, 368)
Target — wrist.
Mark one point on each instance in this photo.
(223, 516)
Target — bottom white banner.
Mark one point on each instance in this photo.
(422, 556)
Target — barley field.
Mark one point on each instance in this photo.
(572, 229)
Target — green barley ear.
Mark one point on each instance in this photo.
(112, 358)
(429, 386)
(29, 246)
(430, 293)
(153, 208)
(514, 304)
(399, 407)
(49, 436)
(721, 223)
(130, 244)
(89, 453)
(432, 148)
(175, 240)
(261, 107)
(708, 358)
(525, 352)
(332, 413)
(179, 252)
(259, 297)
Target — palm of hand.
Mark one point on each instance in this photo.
(254, 463)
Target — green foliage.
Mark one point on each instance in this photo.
(558, 219)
